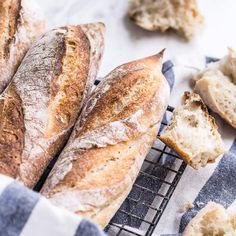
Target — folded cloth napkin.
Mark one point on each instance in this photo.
(26, 213)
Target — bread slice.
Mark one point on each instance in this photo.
(160, 15)
(213, 219)
(217, 87)
(193, 134)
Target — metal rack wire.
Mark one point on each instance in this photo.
(153, 188)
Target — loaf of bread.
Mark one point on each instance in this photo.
(213, 219)
(217, 87)
(40, 105)
(21, 23)
(193, 134)
(182, 16)
(96, 170)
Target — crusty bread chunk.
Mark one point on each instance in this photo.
(217, 87)
(160, 15)
(212, 220)
(193, 134)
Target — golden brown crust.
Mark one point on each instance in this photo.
(20, 24)
(118, 103)
(115, 132)
(11, 133)
(122, 102)
(104, 216)
(9, 19)
(49, 88)
(69, 82)
(170, 143)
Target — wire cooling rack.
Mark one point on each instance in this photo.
(151, 192)
(153, 188)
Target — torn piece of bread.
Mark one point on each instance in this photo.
(212, 220)
(182, 16)
(193, 134)
(217, 87)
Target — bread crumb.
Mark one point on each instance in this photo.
(187, 205)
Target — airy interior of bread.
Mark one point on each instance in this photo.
(213, 220)
(180, 15)
(217, 87)
(193, 133)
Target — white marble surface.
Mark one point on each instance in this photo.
(125, 41)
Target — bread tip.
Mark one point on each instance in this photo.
(161, 53)
(101, 26)
(157, 58)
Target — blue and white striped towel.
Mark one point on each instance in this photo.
(27, 213)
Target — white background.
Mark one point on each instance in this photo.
(125, 41)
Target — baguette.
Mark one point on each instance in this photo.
(21, 23)
(193, 133)
(96, 170)
(41, 104)
(217, 87)
(213, 219)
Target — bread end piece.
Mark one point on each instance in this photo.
(217, 87)
(213, 219)
(193, 134)
(183, 16)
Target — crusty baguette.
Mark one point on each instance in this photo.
(21, 23)
(183, 16)
(193, 134)
(42, 102)
(213, 219)
(217, 87)
(104, 154)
